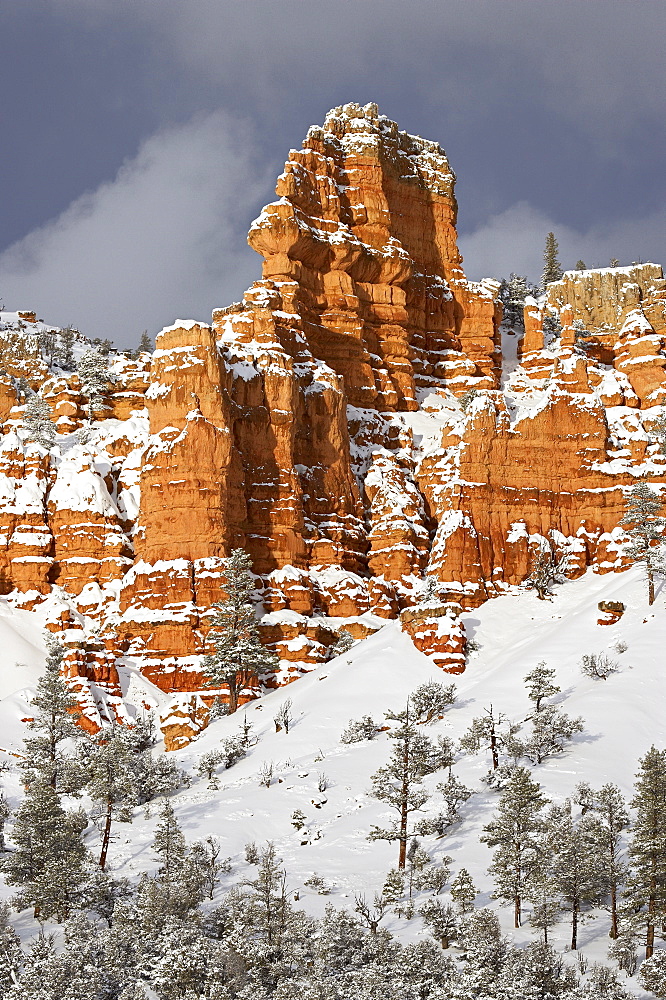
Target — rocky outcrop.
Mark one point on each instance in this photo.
(346, 424)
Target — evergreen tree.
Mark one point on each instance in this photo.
(10, 952)
(66, 353)
(514, 832)
(342, 644)
(400, 783)
(441, 921)
(430, 700)
(37, 421)
(551, 730)
(463, 891)
(111, 779)
(645, 529)
(576, 868)
(610, 819)
(490, 732)
(580, 265)
(540, 685)
(5, 813)
(54, 717)
(95, 379)
(652, 976)
(239, 656)
(513, 294)
(552, 269)
(647, 885)
(145, 343)
(50, 862)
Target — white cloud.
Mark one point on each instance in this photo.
(165, 238)
(513, 240)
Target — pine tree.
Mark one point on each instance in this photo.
(269, 908)
(441, 921)
(513, 294)
(145, 343)
(66, 354)
(552, 269)
(239, 656)
(490, 732)
(96, 379)
(37, 421)
(463, 891)
(551, 731)
(514, 832)
(111, 779)
(610, 817)
(400, 783)
(652, 976)
(50, 861)
(576, 867)
(430, 700)
(5, 813)
(647, 885)
(10, 952)
(54, 717)
(645, 529)
(540, 685)
(580, 265)
(342, 644)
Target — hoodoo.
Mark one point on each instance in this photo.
(354, 424)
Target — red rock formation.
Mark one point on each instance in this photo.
(345, 423)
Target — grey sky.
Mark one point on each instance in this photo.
(140, 137)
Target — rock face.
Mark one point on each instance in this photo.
(347, 424)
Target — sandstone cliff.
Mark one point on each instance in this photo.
(348, 423)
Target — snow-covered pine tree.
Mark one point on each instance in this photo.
(49, 863)
(440, 919)
(514, 832)
(37, 421)
(539, 683)
(66, 352)
(645, 529)
(10, 952)
(652, 976)
(430, 700)
(400, 782)
(111, 779)
(239, 656)
(463, 891)
(268, 908)
(96, 379)
(5, 813)
(342, 644)
(647, 850)
(576, 867)
(513, 294)
(145, 343)
(54, 717)
(552, 269)
(491, 732)
(552, 729)
(545, 570)
(610, 817)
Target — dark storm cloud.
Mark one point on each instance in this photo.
(550, 112)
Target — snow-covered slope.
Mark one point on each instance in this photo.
(623, 716)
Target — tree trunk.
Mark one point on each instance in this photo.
(516, 911)
(574, 926)
(650, 576)
(445, 941)
(106, 836)
(614, 928)
(493, 748)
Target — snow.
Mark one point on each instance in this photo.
(622, 715)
